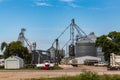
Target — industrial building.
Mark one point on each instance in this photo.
(81, 47)
(85, 50)
(38, 56)
(52, 51)
(81, 60)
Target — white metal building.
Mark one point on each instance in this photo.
(14, 62)
(80, 60)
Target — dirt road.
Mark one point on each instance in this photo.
(67, 71)
(26, 74)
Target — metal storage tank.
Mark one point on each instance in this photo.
(85, 47)
(35, 56)
(62, 53)
(71, 50)
(52, 53)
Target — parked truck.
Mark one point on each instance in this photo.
(114, 62)
(74, 63)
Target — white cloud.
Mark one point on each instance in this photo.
(73, 5)
(70, 3)
(67, 0)
(42, 4)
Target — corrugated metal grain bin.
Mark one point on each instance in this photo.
(85, 48)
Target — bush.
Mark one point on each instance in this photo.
(116, 77)
(89, 76)
(110, 77)
(106, 77)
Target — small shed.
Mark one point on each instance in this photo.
(14, 62)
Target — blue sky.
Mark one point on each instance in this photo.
(46, 19)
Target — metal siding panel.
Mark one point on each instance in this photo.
(12, 64)
(85, 49)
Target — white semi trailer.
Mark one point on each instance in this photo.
(114, 62)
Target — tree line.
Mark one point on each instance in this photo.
(109, 43)
(16, 48)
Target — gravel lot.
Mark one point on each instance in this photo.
(67, 71)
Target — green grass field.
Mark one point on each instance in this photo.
(85, 76)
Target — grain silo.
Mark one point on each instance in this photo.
(52, 51)
(86, 47)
